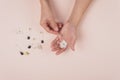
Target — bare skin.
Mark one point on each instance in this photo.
(69, 28)
(47, 18)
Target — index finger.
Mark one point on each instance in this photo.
(46, 27)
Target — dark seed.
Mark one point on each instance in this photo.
(21, 53)
(29, 46)
(42, 41)
(28, 37)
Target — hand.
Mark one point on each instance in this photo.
(67, 33)
(55, 45)
(48, 21)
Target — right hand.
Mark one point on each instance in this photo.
(48, 21)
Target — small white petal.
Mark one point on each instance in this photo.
(63, 44)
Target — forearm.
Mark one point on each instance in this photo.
(78, 11)
(46, 8)
(45, 5)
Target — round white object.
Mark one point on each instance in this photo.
(63, 44)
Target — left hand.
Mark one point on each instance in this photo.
(67, 33)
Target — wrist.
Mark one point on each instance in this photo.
(45, 5)
(71, 24)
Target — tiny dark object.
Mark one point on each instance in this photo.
(42, 41)
(28, 37)
(21, 53)
(29, 46)
(30, 28)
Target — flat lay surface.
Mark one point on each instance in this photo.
(25, 52)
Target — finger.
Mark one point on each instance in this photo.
(72, 46)
(61, 51)
(54, 26)
(55, 46)
(46, 27)
(60, 37)
(56, 49)
(54, 42)
(60, 25)
(53, 32)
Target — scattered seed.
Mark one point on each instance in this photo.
(19, 32)
(28, 37)
(41, 32)
(33, 38)
(29, 46)
(42, 41)
(21, 53)
(30, 28)
(39, 46)
(26, 53)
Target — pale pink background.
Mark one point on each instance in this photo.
(97, 55)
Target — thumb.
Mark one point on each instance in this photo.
(72, 46)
